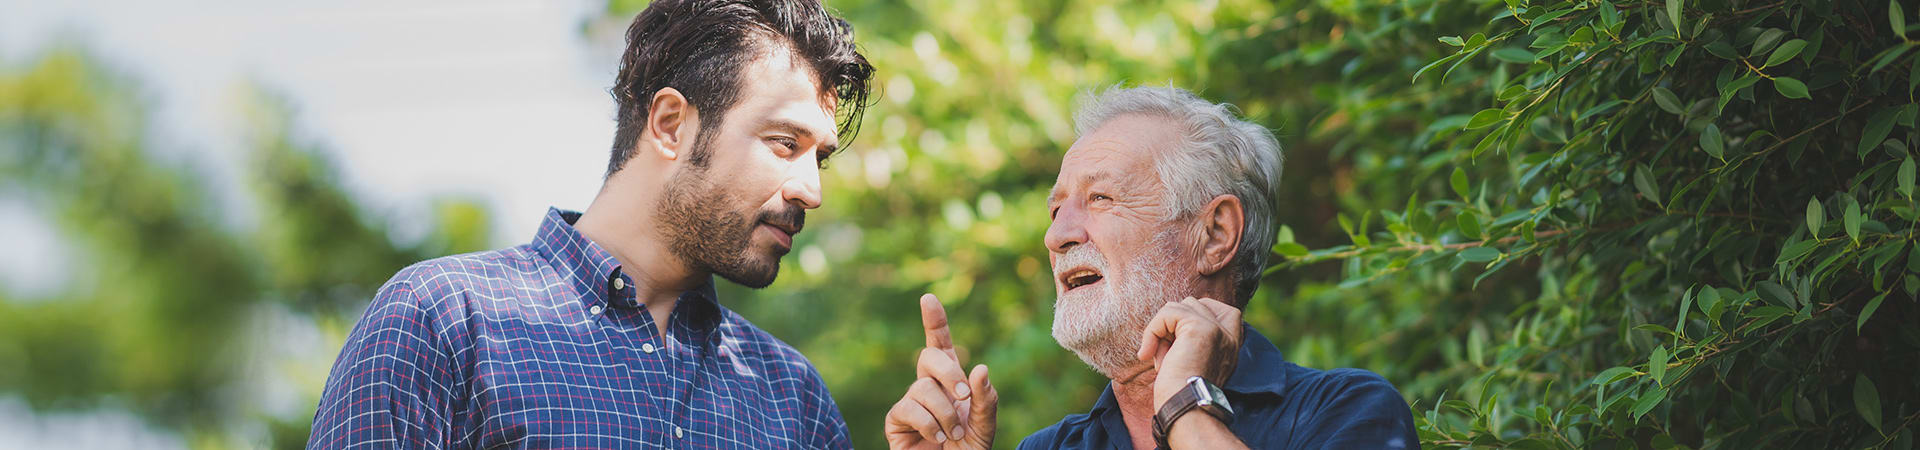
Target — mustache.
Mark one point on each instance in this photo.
(1080, 255)
(790, 217)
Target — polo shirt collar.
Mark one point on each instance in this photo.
(1261, 369)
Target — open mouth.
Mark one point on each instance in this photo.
(1080, 277)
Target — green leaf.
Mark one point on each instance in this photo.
(1898, 19)
(1868, 311)
(1486, 117)
(1432, 65)
(1453, 41)
(1790, 88)
(1647, 402)
(1686, 304)
(1816, 216)
(1795, 251)
(1866, 400)
(1712, 142)
(1673, 15)
(1710, 304)
(1657, 365)
(1291, 249)
(1469, 224)
(1459, 182)
(1612, 375)
(1778, 294)
(1600, 108)
(1766, 41)
(1767, 314)
(1514, 55)
(1851, 220)
(1787, 51)
(1479, 254)
(1906, 178)
(1643, 181)
(1667, 101)
(1876, 130)
(1739, 83)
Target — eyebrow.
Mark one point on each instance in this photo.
(829, 145)
(1091, 178)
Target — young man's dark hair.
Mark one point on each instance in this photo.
(699, 46)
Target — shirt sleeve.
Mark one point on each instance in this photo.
(390, 386)
(830, 427)
(1365, 412)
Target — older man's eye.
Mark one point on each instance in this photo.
(1099, 197)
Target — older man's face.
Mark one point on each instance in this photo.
(1115, 252)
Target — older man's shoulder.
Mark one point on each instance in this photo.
(1067, 433)
(1340, 406)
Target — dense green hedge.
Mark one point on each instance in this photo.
(1703, 230)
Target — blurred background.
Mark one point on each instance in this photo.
(197, 202)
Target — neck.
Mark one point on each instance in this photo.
(1133, 386)
(1133, 389)
(619, 221)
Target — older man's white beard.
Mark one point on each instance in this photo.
(1103, 326)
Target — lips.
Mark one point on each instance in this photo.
(782, 233)
(1079, 277)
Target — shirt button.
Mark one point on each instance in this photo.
(595, 310)
(647, 347)
(679, 433)
(619, 283)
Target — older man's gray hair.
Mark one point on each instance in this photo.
(1219, 153)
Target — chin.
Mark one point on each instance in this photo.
(754, 271)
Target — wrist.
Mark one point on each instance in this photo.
(1193, 430)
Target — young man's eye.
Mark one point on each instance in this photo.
(787, 145)
(821, 159)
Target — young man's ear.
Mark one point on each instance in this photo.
(672, 123)
(1221, 223)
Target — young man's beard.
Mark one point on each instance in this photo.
(703, 231)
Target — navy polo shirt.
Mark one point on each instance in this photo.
(1277, 404)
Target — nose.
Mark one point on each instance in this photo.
(1068, 229)
(802, 187)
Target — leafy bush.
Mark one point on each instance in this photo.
(1710, 209)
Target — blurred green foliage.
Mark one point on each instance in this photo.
(1550, 224)
(171, 311)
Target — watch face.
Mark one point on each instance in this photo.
(1219, 398)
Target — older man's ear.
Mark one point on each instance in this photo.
(1221, 222)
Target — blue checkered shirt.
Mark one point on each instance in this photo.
(543, 345)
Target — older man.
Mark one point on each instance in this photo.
(1139, 261)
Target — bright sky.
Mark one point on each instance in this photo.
(503, 101)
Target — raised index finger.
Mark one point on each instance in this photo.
(934, 317)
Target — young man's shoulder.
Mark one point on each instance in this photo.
(468, 270)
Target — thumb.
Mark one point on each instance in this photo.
(986, 401)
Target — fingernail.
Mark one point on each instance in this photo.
(940, 436)
(959, 432)
(962, 391)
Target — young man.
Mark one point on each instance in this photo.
(1151, 273)
(604, 332)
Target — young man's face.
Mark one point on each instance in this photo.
(736, 216)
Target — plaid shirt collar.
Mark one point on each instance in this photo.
(596, 275)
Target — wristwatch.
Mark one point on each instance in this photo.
(1198, 394)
